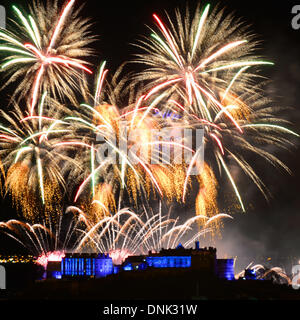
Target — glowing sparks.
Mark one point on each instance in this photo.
(44, 258)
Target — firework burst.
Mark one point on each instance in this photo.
(197, 58)
(202, 68)
(34, 163)
(128, 233)
(44, 51)
(199, 67)
(122, 234)
(115, 150)
(50, 239)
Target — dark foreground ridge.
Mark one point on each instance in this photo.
(153, 284)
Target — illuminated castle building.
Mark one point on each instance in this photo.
(199, 259)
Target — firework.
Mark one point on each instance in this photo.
(122, 234)
(44, 51)
(116, 150)
(34, 164)
(276, 274)
(128, 233)
(96, 136)
(49, 240)
(199, 67)
(45, 239)
(196, 61)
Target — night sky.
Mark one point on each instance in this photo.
(267, 229)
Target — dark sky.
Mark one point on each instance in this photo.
(267, 229)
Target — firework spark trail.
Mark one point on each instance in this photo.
(60, 23)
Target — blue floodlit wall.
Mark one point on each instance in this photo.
(104, 267)
(225, 269)
(128, 267)
(84, 266)
(169, 262)
(116, 269)
(78, 266)
(56, 275)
